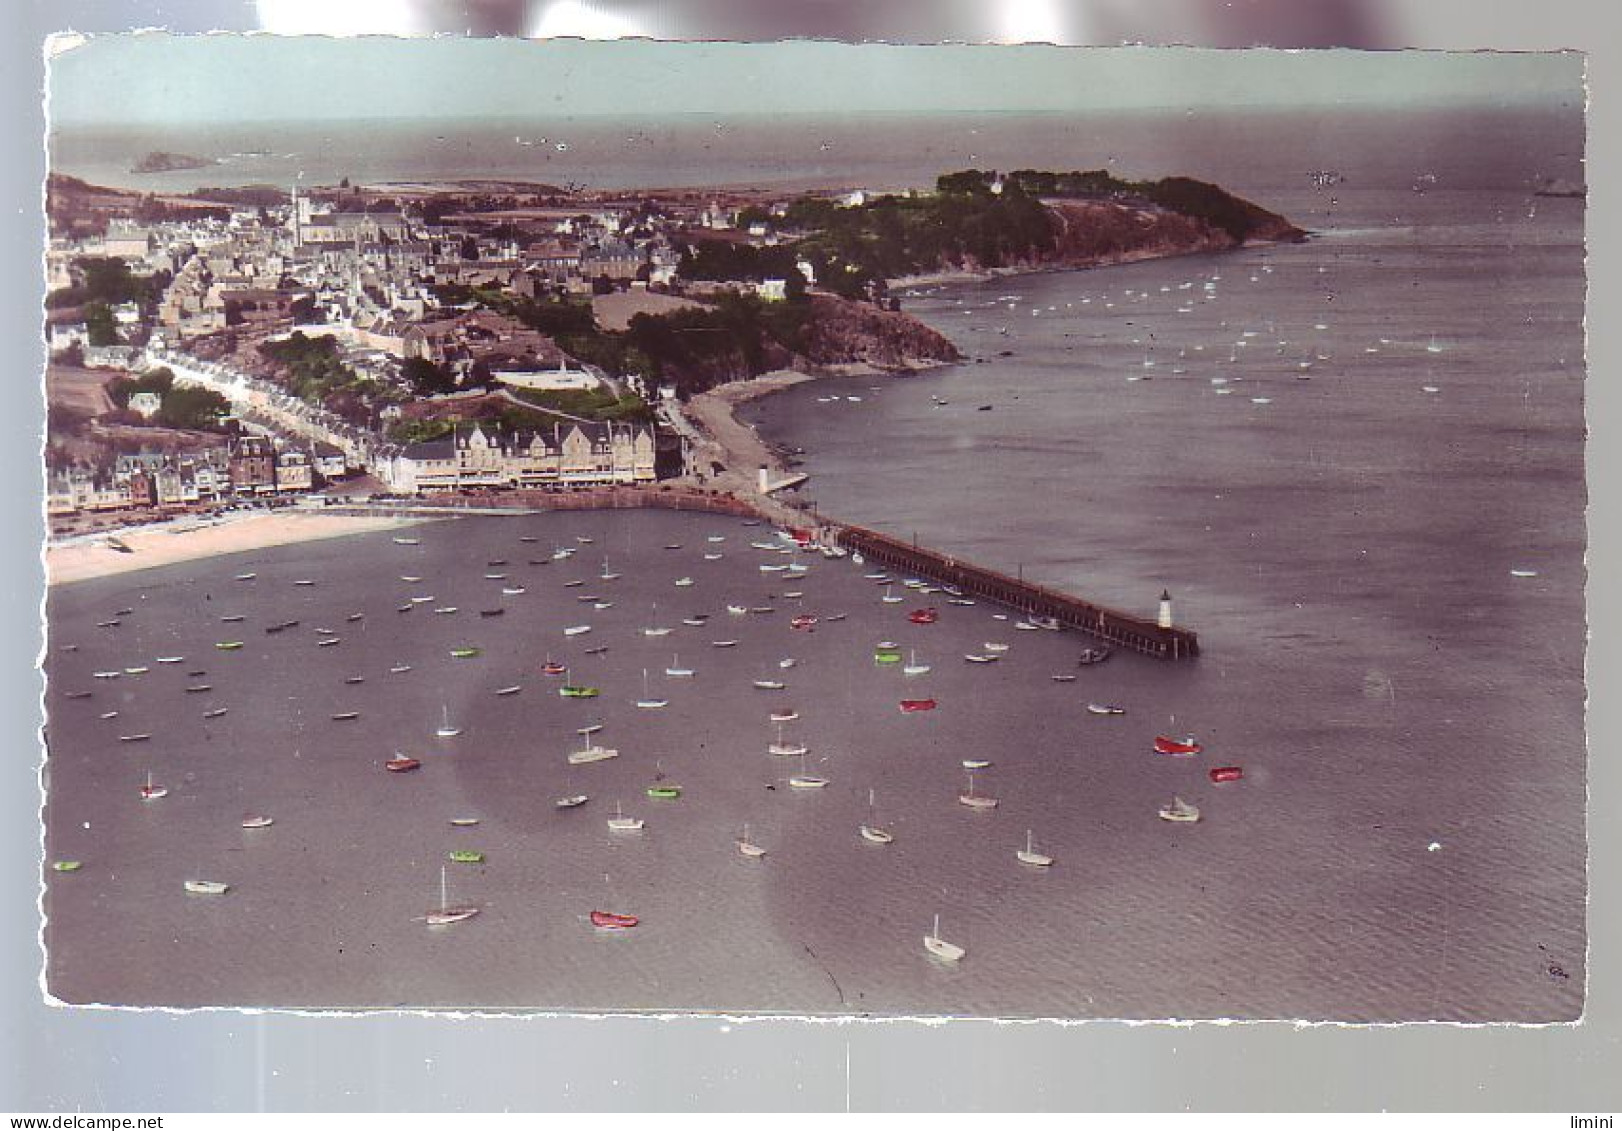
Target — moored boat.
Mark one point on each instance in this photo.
(1180, 811)
(257, 821)
(1226, 773)
(1105, 709)
(400, 764)
(923, 616)
(611, 921)
(1183, 747)
(207, 887)
(1029, 855)
(909, 706)
(572, 691)
(939, 947)
(573, 801)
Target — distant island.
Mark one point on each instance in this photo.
(159, 161)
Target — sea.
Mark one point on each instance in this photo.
(1355, 464)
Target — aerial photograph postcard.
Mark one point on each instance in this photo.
(814, 529)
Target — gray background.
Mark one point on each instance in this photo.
(60, 1060)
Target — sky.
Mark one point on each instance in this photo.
(162, 79)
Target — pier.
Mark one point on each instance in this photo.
(1162, 641)
(1157, 638)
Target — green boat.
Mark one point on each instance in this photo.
(886, 657)
(228, 645)
(569, 691)
(664, 792)
(67, 865)
(464, 653)
(465, 856)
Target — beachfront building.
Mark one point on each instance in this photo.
(253, 466)
(574, 454)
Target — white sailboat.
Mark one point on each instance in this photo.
(783, 749)
(873, 831)
(655, 629)
(647, 702)
(446, 914)
(588, 752)
(939, 947)
(620, 823)
(1179, 810)
(1029, 855)
(805, 780)
(446, 730)
(890, 598)
(913, 667)
(150, 792)
(676, 671)
(975, 800)
(748, 847)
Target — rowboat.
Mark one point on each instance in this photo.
(399, 669)
(723, 643)
(573, 801)
(229, 645)
(976, 763)
(133, 737)
(802, 621)
(67, 865)
(923, 616)
(170, 659)
(215, 713)
(345, 716)
(464, 822)
(909, 706)
(464, 653)
(770, 684)
(1226, 773)
(207, 887)
(328, 642)
(993, 647)
(255, 821)
(609, 921)
(400, 764)
(513, 690)
(465, 856)
(405, 542)
(978, 658)
(664, 792)
(1105, 709)
(577, 630)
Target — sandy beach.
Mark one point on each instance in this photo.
(161, 544)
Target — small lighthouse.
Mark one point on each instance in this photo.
(1164, 620)
(764, 480)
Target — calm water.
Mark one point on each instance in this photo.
(1344, 550)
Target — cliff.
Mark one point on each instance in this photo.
(841, 332)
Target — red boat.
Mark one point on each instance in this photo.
(609, 921)
(401, 765)
(923, 616)
(1227, 773)
(1185, 746)
(917, 705)
(803, 621)
(552, 667)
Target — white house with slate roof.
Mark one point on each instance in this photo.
(572, 454)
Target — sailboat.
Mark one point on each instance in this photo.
(890, 598)
(804, 780)
(445, 729)
(975, 800)
(589, 753)
(646, 701)
(748, 847)
(620, 823)
(676, 671)
(786, 749)
(913, 667)
(872, 830)
(1179, 810)
(1029, 855)
(654, 630)
(150, 792)
(446, 914)
(939, 947)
